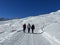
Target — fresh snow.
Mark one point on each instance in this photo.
(47, 30)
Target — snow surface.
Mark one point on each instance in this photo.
(47, 30)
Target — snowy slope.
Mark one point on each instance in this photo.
(11, 31)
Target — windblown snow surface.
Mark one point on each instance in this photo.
(47, 30)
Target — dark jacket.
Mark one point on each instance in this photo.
(32, 27)
(24, 26)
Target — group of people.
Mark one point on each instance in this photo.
(29, 27)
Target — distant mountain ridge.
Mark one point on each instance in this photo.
(4, 19)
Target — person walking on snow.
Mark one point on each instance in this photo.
(28, 27)
(33, 27)
(24, 27)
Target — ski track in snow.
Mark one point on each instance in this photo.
(32, 39)
(51, 39)
(21, 38)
